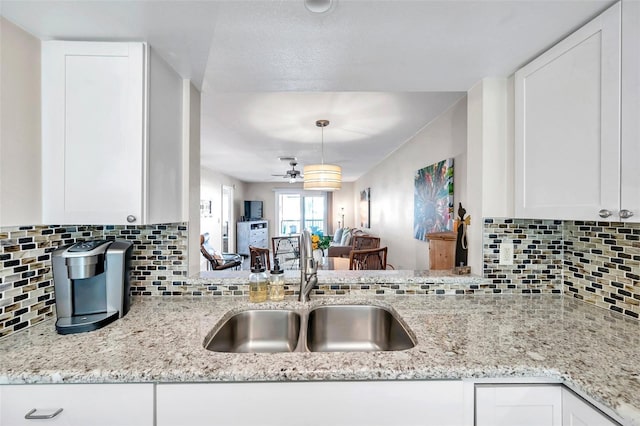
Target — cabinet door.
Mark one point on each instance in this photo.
(96, 405)
(567, 123)
(631, 108)
(577, 412)
(311, 403)
(93, 132)
(518, 405)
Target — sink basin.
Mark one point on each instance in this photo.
(257, 331)
(331, 328)
(355, 328)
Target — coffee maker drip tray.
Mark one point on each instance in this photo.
(82, 323)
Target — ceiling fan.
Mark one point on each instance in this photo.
(293, 175)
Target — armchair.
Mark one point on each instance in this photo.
(224, 261)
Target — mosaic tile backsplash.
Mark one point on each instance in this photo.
(602, 265)
(26, 284)
(537, 264)
(364, 288)
(596, 262)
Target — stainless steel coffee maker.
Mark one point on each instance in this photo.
(91, 281)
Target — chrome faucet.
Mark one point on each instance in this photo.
(308, 267)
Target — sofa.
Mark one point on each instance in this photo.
(342, 244)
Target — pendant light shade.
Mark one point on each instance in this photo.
(322, 177)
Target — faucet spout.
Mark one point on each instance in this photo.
(308, 267)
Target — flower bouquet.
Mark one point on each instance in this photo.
(320, 242)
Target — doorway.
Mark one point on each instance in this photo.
(228, 225)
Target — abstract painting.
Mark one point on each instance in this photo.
(433, 199)
(365, 208)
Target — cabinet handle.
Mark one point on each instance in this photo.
(131, 218)
(625, 214)
(605, 213)
(31, 416)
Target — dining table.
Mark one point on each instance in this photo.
(334, 264)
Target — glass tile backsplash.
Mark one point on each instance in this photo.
(596, 262)
(159, 262)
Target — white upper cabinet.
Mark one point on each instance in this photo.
(111, 135)
(567, 126)
(630, 155)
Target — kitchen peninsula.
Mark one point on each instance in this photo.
(546, 338)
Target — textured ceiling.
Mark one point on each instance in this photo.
(379, 70)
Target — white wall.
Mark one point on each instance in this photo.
(191, 171)
(490, 151)
(165, 141)
(497, 148)
(474, 173)
(343, 199)
(20, 183)
(392, 184)
(211, 189)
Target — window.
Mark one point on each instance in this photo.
(297, 210)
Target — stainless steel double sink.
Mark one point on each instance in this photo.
(328, 328)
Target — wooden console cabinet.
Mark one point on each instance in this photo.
(442, 250)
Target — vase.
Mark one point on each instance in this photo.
(318, 256)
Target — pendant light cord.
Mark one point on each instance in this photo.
(322, 145)
(322, 124)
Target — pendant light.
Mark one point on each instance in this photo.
(322, 177)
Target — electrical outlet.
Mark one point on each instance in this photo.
(506, 253)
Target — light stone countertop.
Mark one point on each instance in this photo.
(389, 276)
(593, 351)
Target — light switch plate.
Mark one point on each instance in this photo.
(506, 253)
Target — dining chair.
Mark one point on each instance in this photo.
(363, 242)
(368, 259)
(287, 251)
(262, 254)
(226, 261)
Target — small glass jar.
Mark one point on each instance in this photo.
(276, 283)
(258, 282)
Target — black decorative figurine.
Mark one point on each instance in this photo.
(461, 240)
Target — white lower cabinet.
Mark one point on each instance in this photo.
(375, 403)
(81, 405)
(578, 412)
(311, 403)
(518, 405)
(534, 405)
